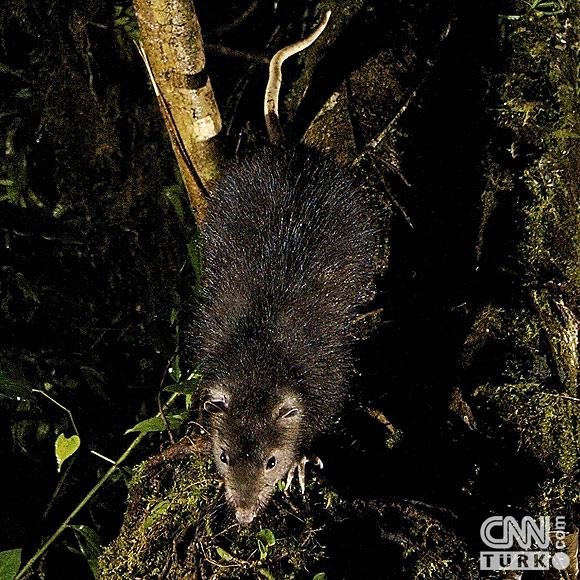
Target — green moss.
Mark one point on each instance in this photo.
(177, 526)
(540, 108)
(162, 504)
(548, 423)
(522, 351)
(433, 550)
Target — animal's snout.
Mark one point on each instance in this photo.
(245, 516)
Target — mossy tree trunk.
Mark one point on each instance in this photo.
(521, 355)
(173, 47)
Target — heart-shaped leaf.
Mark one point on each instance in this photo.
(64, 447)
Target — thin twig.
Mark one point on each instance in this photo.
(376, 141)
(234, 100)
(394, 169)
(172, 129)
(59, 405)
(227, 51)
(58, 487)
(381, 418)
(220, 30)
(416, 502)
(159, 404)
(387, 191)
(562, 396)
(103, 457)
(377, 312)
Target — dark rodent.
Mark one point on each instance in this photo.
(289, 247)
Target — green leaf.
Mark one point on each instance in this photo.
(59, 210)
(263, 550)
(6, 70)
(23, 94)
(89, 544)
(173, 193)
(175, 371)
(156, 424)
(185, 388)
(10, 563)
(12, 387)
(64, 447)
(158, 509)
(194, 253)
(266, 573)
(267, 537)
(35, 199)
(121, 21)
(223, 554)
(319, 576)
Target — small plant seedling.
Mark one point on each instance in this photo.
(266, 540)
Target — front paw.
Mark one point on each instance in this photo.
(298, 470)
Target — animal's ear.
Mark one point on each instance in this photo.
(288, 408)
(216, 401)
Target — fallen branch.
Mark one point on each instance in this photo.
(376, 141)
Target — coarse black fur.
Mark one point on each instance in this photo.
(290, 247)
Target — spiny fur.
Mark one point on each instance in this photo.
(289, 246)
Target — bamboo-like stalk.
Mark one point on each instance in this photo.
(173, 51)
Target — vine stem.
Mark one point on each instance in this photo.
(86, 499)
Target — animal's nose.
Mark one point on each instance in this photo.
(245, 515)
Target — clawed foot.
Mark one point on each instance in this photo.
(299, 470)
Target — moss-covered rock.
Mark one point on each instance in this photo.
(178, 526)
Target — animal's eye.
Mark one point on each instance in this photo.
(224, 457)
(271, 463)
